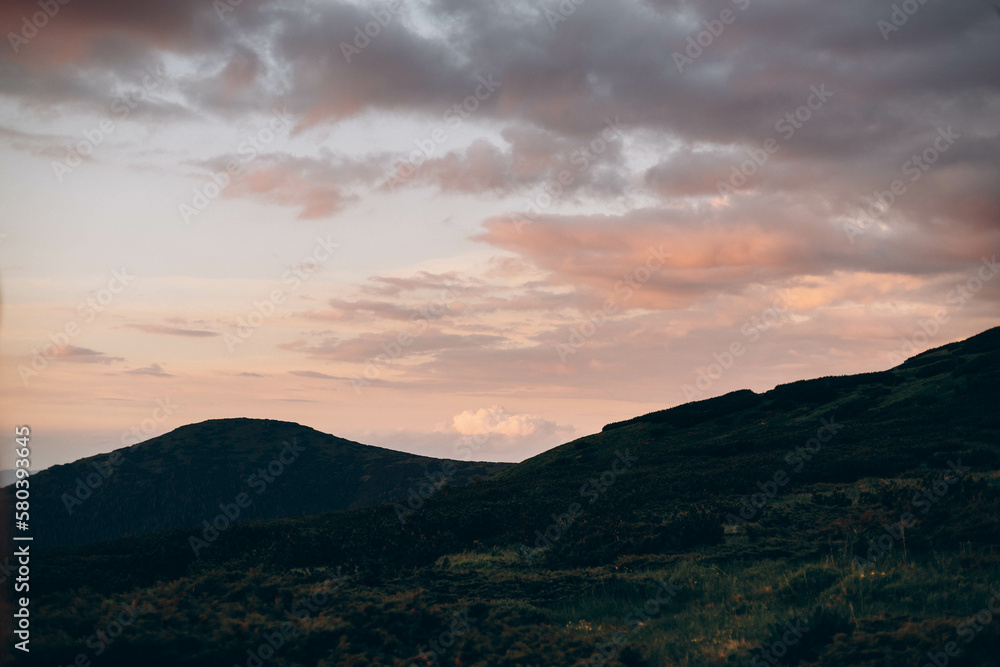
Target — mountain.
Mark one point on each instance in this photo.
(937, 405)
(8, 477)
(836, 521)
(181, 478)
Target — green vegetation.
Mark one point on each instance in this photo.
(548, 561)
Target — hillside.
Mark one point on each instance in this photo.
(862, 508)
(180, 479)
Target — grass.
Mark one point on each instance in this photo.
(662, 520)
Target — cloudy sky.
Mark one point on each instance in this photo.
(428, 224)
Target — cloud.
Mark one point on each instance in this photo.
(310, 184)
(153, 369)
(483, 434)
(655, 185)
(83, 355)
(532, 156)
(770, 241)
(363, 309)
(420, 281)
(40, 144)
(682, 130)
(173, 331)
(495, 419)
(369, 345)
(495, 432)
(315, 375)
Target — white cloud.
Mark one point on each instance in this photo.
(485, 434)
(496, 419)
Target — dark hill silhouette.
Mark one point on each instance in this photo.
(553, 548)
(180, 478)
(693, 463)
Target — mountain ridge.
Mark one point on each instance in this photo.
(783, 505)
(380, 468)
(286, 468)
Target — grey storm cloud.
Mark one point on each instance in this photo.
(562, 80)
(889, 98)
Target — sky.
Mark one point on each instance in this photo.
(479, 229)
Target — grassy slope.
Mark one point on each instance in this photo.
(661, 519)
